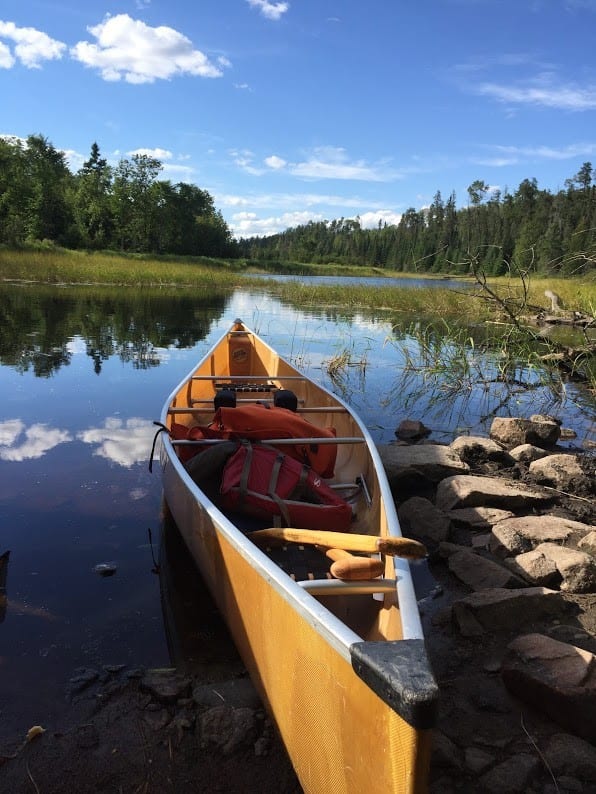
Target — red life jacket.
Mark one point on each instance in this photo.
(257, 422)
(261, 481)
(194, 433)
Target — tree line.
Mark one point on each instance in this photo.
(531, 228)
(123, 207)
(127, 207)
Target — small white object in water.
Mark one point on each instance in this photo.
(105, 569)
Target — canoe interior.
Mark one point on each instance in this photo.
(246, 364)
(341, 733)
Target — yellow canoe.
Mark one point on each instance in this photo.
(339, 663)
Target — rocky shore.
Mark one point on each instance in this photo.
(510, 623)
(509, 522)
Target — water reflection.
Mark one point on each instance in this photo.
(18, 442)
(124, 442)
(132, 324)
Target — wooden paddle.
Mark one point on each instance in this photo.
(351, 568)
(395, 547)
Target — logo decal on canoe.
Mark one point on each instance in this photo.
(240, 354)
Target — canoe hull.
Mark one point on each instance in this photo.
(307, 684)
(343, 732)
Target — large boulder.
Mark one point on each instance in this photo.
(523, 533)
(511, 432)
(471, 491)
(432, 462)
(560, 471)
(480, 573)
(421, 519)
(577, 569)
(477, 449)
(503, 610)
(556, 678)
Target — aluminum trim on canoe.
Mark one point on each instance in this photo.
(333, 629)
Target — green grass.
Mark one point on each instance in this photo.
(60, 266)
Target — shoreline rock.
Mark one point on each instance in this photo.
(511, 633)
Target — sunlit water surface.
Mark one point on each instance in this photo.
(82, 376)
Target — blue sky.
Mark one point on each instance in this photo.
(310, 109)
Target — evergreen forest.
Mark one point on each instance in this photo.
(551, 233)
(124, 208)
(127, 208)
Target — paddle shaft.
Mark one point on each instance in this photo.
(371, 544)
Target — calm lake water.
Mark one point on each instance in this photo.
(83, 373)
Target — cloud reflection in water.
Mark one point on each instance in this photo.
(18, 443)
(123, 442)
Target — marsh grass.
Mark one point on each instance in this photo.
(80, 267)
(467, 310)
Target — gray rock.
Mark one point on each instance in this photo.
(165, 685)
(543, 529)
(526, 453)
(412, 430)
(577, 569)
(480, 573)
(420, 518)
(512, 776)
(539, 431)
(570, 755)
(472, 448)
(502, 610)
(433, 462)
(505, 540)
(556, 678)
(535, 568)
(523, 533)
(588, 543)
(472, 491)
(479, 518)
(228, 729)
(558, 471)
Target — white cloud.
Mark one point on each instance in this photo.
(275, 162)
(291, 200)
(270, 10)
(542, 91)
(370, 220)
(247, 224)
(513, 155)
(6, 59)
(244, 160)
(31, 46)
(158, 154)
(124, 443)
(38, 439)
(131, 50)
(330, 162)
(325, 162)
